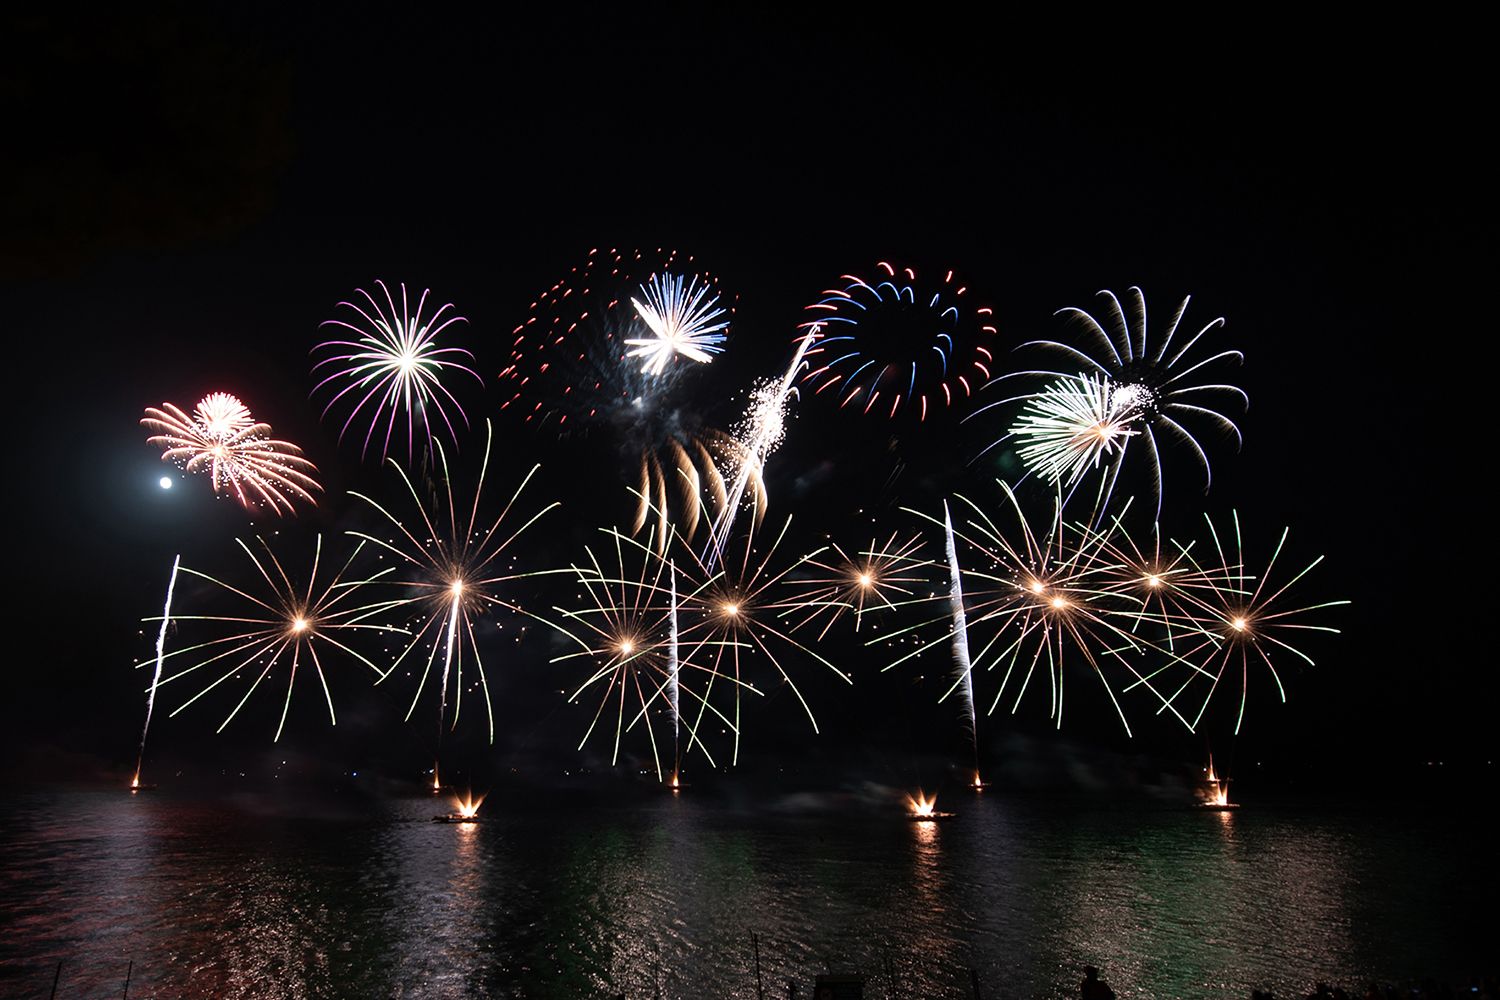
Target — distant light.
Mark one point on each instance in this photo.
(731, 609)
(1239, 624)
(865, 579)
(165, 482)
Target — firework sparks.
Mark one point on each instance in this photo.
(895, 341)
(761, 433)
(877, 578)
(393, 371)
(237, 453)
(1241, 620)
(284, 624)
(456, 570)
(684, 319)
(1160, 387)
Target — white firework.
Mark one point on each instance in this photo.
(1162, 382)
(1076, 424)
(393, 371)
(684, 318)
(221, 416)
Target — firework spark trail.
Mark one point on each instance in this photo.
(680, 320)
(961, 662)
(161, 645)
(674, 671)
(765, 433)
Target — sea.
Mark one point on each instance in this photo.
(687, 895)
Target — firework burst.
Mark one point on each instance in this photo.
(236, 452)
(1075, 424)
(877, 578)
(573, 369)
(1034, 598)
(1156, 390)
(1240, 620)
(628, 630)
(684, 319)
(735, 613)
(392, 372)
(276, 622)
(455, 569)
(894, 342)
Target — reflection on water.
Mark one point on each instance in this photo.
(660, 899)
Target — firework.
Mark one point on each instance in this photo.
(455, 568)
(1075, 424)
(963, 663)
(1241, 620)
(275, 622)
(237, 453)
(876, 578)
(1155, 390)
(683, 318)
(734, 617)
(895, 341)
(161, 646)
(628, 632)
(393, 371)
(674, 634)
(572, 369)
(759, 434)
(1033, 599)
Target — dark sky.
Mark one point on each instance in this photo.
(186, 196)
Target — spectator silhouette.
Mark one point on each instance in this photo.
(1094, 988)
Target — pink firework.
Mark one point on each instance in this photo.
(392, 372)
(239, 455)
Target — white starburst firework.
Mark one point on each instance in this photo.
(684, 318)
(1075, 424)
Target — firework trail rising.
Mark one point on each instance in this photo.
(674, 667)
(161, 645)
(961, 663)
(767, 425)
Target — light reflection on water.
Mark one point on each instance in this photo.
(227, 899)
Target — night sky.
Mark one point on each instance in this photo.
(185, 199)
